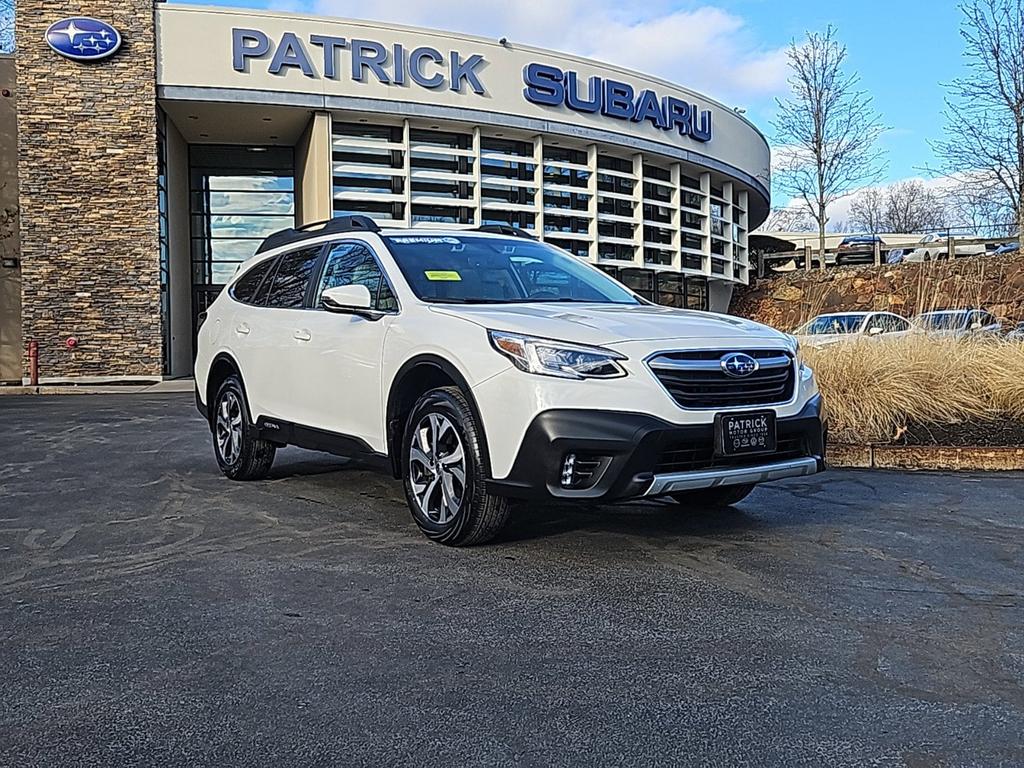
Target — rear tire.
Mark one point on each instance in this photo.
(444, 472)
(240, 456)
(724, 496)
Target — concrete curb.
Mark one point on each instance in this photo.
(162, 387)
(939, 457)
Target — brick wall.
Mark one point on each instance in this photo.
(991, 282)
(88, 175)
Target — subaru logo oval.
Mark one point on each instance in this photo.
(83, 39)
(739, 365)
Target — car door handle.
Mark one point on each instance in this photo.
(242, 330)
(302, 335)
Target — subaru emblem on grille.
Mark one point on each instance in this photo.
(739, 365)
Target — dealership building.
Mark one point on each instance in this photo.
(158, 144)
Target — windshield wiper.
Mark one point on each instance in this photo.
(567, 300)
(460, 300)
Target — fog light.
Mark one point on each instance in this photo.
(567, 469)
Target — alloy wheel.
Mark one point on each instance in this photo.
(229, 427)
(437, 468)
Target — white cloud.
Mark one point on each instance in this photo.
(839, 211)
(705, 48)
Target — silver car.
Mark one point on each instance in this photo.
(959, 323)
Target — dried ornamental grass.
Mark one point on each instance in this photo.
(873, 388)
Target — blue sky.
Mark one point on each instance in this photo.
(733, 50)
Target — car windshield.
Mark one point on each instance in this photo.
(942, 321)
(828, 324)
(490, 270)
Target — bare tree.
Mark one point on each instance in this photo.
(984, 143)
(906, 206)
(977, 204)
(912, 207)
(867, 211)
(827, 130)
(788, 219)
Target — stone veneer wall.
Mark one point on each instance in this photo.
(88, 173)
(995, 283)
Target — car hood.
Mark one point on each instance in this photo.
(609, 324)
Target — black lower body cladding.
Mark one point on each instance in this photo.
(623, 452)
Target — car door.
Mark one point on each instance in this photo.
(989, 324)
(276, 339)
(339, 368)
(244, 323)
(893, 326)
(898, 327)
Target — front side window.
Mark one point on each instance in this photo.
(354, 264)
(487, 270)
(246, 288)
(894, 324)
(832, 324)
(943, 321)
(291, 280)
(888, 323)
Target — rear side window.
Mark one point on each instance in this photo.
(292, 279)
(246, 287)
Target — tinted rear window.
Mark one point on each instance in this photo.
(246, 287)
(292, 278)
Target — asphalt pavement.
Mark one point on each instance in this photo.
(154, 613)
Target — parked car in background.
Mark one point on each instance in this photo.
(936, 246)
(858, 248)
(1017, 334)
(1013, 247)
(827, 329)
(959, 322)
(895, 256)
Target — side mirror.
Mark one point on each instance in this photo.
(349, 300)
(875, 331)
(976, 325)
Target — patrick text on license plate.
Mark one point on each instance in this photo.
(745, 433)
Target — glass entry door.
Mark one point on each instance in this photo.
(238, 196)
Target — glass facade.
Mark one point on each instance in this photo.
(165, 253)
(620, 209)
(238, 196)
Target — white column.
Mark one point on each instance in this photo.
(407, 171)
(638, 210)
(594, 251)
(538, 180)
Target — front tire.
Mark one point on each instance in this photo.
(724, 496)
(444, 472)
(240, 456)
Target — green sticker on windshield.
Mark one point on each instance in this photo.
(443, 275)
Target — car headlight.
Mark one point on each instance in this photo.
(801, 364)
(557, 358)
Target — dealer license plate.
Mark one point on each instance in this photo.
(739, 433)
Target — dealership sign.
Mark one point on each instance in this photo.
(334, 58)
(83, 38)
(551, 86)
(424, 66)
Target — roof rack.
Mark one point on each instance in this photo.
(505, 229)
(317, 229)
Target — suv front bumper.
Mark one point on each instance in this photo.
(628, 455)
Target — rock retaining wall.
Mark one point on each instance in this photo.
(993, 282)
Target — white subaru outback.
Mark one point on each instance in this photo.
(482, 366)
